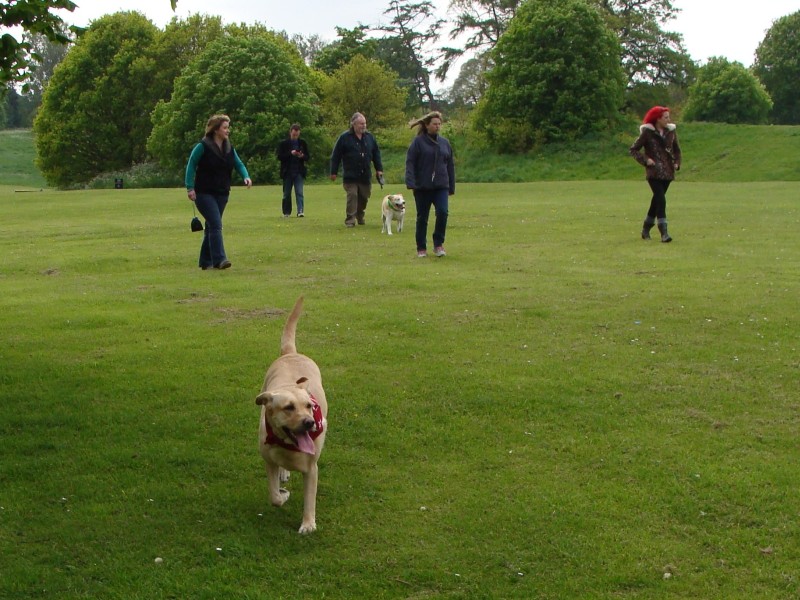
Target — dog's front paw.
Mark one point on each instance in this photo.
(283, 474)
(307, 527)
(281, 498)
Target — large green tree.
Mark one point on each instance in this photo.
(482, 21)
(777, 65)
(726, 92)
(556, 76)
(413, 28)
(95, 111)
(351, 43)
(649, 53)
(258, 80)
(181, 41)
(470, 85)
(366, 86)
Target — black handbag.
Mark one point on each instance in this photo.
(195, 225)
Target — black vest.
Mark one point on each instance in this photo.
(214, 169)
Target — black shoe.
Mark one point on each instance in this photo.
(225, 264)
(205, 267)
(362, 222)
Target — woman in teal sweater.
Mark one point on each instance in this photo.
(208, 185)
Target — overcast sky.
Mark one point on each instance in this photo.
(709, 27)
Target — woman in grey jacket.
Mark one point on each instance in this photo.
(430, 173)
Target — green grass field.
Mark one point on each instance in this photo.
(557, 409)
(17, 153)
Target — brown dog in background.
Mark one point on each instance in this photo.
(293, 421)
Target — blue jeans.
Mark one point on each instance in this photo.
(289, 182)
(424, 199)
(212, 251)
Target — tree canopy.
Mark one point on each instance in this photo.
(95, 111)
(649, 53)
(556, 76)
(778, 67)
(366, 86)
(258, 83)
(726, 92)
(351, 43)
(412, 44)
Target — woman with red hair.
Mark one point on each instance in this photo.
(661, 159)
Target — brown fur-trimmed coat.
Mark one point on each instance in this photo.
(663, 149)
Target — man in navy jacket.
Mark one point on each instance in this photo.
(355, 149)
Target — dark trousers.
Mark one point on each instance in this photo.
(212, 251)
(292, 181)
(424, 199)
(658, 204)
(358, 194)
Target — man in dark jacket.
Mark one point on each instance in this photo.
(293, 154)
(355, 149)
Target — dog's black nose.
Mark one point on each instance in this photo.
(308, 424)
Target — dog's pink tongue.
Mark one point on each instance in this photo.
(305, 443)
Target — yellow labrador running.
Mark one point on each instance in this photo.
(393, 208)
(293, 421)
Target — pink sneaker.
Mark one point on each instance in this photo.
(422, 254)
(439, 251)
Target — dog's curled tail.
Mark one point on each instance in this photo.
(290, 329)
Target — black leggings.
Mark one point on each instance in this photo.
(658, 204)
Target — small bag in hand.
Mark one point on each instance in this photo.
(195, 225)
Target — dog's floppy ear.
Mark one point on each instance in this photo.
(264, 398)
(302, 381)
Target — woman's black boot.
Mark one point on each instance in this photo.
(662, 227)
(647, 226)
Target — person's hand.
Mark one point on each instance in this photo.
(333, 176)
(192, 195)
(650, 162)
(677, 166)
(378, 174)
(248, 182)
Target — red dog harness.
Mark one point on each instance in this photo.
(307, 447)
